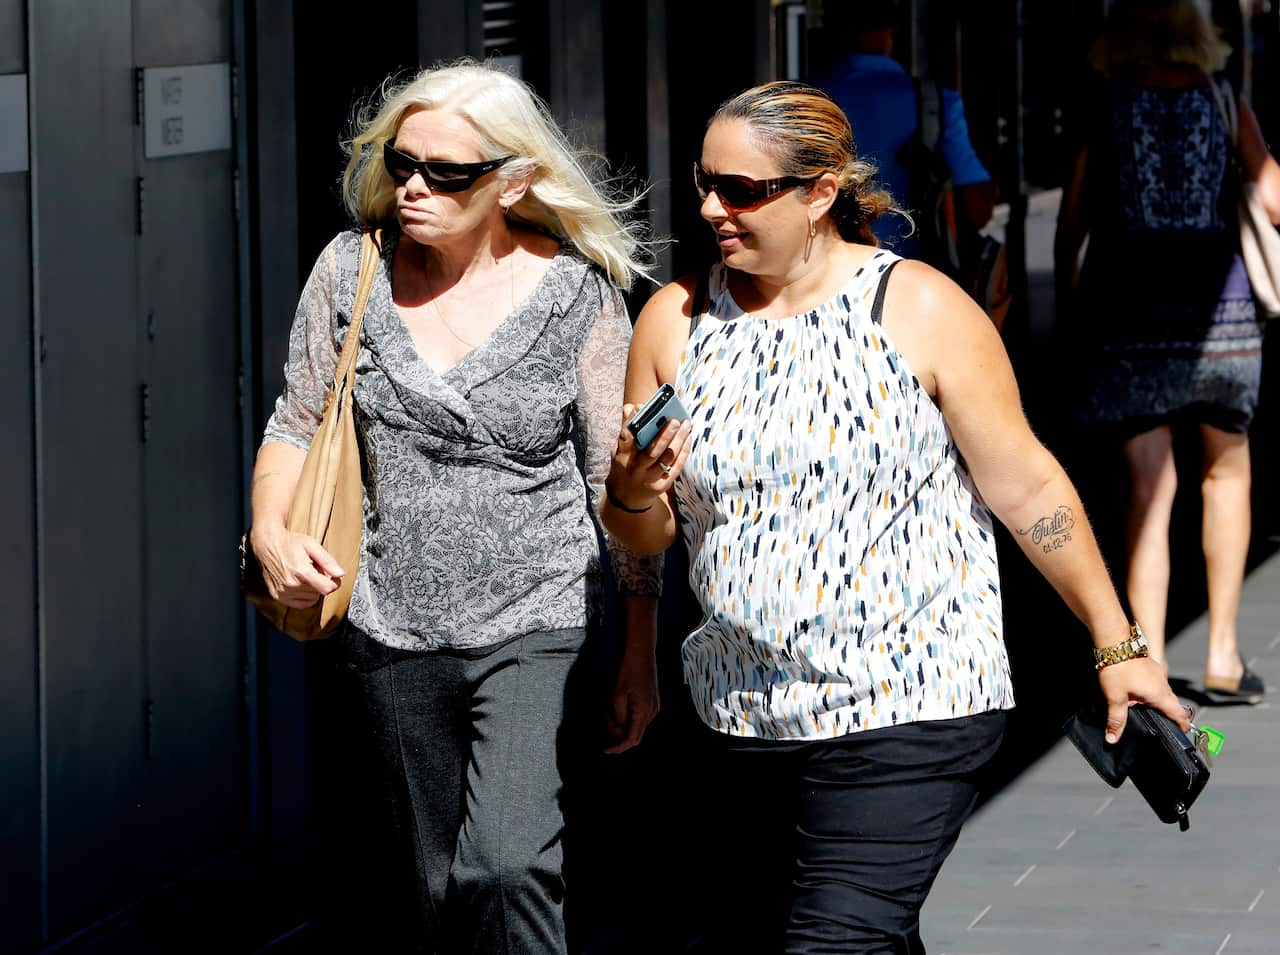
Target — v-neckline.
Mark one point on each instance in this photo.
(503, 330)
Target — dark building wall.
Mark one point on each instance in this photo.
(332, 76)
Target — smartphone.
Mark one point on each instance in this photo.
(646, 423)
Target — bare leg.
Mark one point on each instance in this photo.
(1225, 534)
(1153, 481)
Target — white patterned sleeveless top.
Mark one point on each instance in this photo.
(844, 562)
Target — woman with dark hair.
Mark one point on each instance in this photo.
(1164, 301)
(850, 436)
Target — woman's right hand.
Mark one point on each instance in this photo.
(298, 571)
(639, 476)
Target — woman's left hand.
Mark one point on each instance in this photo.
(634, 703)
(1141, 680)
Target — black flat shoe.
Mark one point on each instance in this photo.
(1248, 689)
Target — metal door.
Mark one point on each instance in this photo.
(137, 463)
(19, 741)
(90, 468)
(189, 355)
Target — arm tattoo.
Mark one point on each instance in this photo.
(262, 477)
(1052, 532)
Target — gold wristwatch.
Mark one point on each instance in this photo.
(1135, 646)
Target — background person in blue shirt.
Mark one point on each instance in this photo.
(877, 95)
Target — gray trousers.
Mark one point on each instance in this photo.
(474, 747)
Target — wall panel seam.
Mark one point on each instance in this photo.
(37, 457)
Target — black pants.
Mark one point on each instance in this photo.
(471, 750)
(832, 847)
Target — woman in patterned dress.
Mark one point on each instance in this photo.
(850, 437)
(1165, 301)
(491, 368)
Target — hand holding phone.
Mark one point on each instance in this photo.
(645, 467)
(647, 423)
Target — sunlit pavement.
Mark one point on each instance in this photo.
(1059, 862)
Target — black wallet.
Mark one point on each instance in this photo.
(1152, 752)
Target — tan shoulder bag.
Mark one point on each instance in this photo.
(1259, 240)
(328, 501)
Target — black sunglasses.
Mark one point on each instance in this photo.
(740, 192)
(439, 176)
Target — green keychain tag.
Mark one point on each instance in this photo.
(1213, 740)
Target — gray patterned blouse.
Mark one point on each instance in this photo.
(481, 481)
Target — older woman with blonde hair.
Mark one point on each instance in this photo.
(854, 426)
(1164, 303)
(489, 376)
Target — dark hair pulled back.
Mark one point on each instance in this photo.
(808, 134)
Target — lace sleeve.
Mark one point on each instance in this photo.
(312, 361)
(602, 370)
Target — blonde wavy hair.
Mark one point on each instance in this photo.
(804, 130)
(1140, 34)
(564, 199)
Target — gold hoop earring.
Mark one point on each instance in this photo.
(813, 227)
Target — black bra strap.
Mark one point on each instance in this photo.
(877, 307)
(699, 301)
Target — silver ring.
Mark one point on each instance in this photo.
(666, 468)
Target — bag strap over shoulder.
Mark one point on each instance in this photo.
(370, 258)
(1229, 110)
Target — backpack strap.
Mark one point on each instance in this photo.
(877, 306)
(929, 110)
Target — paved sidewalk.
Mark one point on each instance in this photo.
(1060, 863)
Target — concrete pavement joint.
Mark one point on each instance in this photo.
(1253, 708)
(296, 930)
(1205, 882)
(979, 919)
